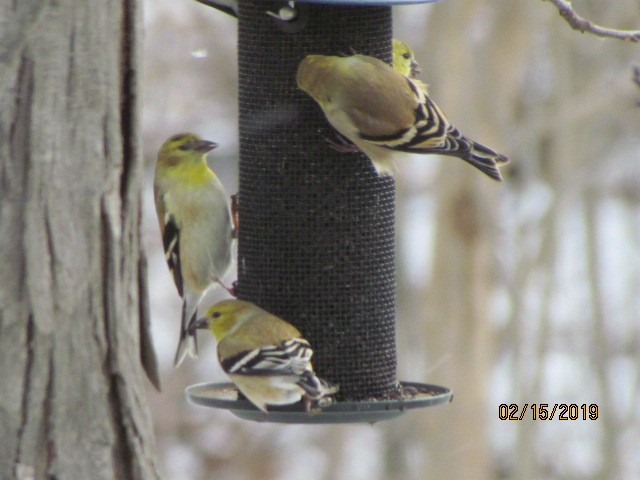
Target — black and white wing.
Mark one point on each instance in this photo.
(431, 132)
(290, 357)
(171, 244)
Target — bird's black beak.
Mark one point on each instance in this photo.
(200, 323)
(204, 146)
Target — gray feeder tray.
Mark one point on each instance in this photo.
(415, 395)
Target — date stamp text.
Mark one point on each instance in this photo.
(546, 411)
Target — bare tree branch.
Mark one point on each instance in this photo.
(583, 25)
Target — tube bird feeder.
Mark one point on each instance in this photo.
(316, 241)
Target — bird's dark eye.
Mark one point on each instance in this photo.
(184, 146)
(216, 315)
(406, 55)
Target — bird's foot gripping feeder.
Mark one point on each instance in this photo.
(316, 242)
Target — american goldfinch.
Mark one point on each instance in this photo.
(195, 224)
(404, 60)
(265, 357)
(383, 112)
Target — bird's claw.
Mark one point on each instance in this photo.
(235, 208)
(341, 144)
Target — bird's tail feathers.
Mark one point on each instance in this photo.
(315, 387)
(483, 158)
(486, 160)
(188, 343)
(480, 150)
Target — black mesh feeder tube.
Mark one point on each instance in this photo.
(316, 241)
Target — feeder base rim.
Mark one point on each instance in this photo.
(225, 396)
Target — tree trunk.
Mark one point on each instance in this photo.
(73, 310)
(457, 322)
(457, 328)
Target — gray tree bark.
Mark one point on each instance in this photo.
(73, 308)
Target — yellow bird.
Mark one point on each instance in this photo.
(195, 223)
(265, 357)
(404, 60)
(385, 113)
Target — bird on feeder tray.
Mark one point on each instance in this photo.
(266, 357)
(195, 223)
(383, 112)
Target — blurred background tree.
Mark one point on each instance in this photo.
(525, 292)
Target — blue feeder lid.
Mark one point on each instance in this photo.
(368, 2)
(230, 7)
